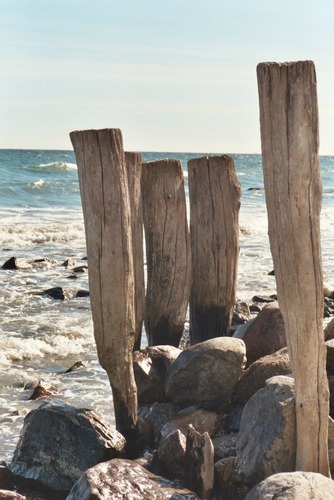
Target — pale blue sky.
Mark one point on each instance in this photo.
(174, 75)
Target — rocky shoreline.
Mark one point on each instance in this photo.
(237, 392)
(231, 396)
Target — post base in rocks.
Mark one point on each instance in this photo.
(208, 322)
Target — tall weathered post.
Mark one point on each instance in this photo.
(134, 169)
(214, 194)
(289, 135)
(167, 251)
(106, 208)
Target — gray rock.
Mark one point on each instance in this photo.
(225, 445)
(190, 378)
(158, 414)
(293, 486)
(125, 479)
(267, 438)
(59, 442)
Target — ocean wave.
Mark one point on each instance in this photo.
(36, 184)
(24, 235)
(58, 164)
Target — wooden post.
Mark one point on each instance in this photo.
(289, 135)
(134, 168)
(106, 208)
(214, 194)
(199, 463)
(167, 251)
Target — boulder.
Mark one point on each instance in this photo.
(80, 269)
(125, 479)
(264, 299)
(265, 333)
(292, 486)
(267, 438)
(56, 292)
(190, 379)
(68, 263)
(43, 390)
(201, 420)
(59, 442)
(82, 293)
(171, 455)
(158, 414)
(329, 330)
(11, 264)
(150, 367)
(255, 376)
(226, 482)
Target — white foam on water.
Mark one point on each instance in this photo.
(58, 164)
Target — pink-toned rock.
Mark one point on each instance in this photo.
(125, 479)
(264, 335)
(151, 366)
(255, 376)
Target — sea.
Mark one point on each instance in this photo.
(41, 218)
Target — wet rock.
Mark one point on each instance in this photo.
(255, 376)
(11, 264)
(292, 486)
(59, 442)
(150, 367)
(267, 438)
(266, 299)
(56, 293)
(265, 333)
(171, 455)
(190, 379)
(125, 479)
(201, 420)
(43, 390)
(158, 414)
(82, 293)
(76, 366)
(45, 260)
(68, 263)
(80, 269)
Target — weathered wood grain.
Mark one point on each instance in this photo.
(289, 136)
(167, 251)
(107, 216)
(214, 194)
(134, 169)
